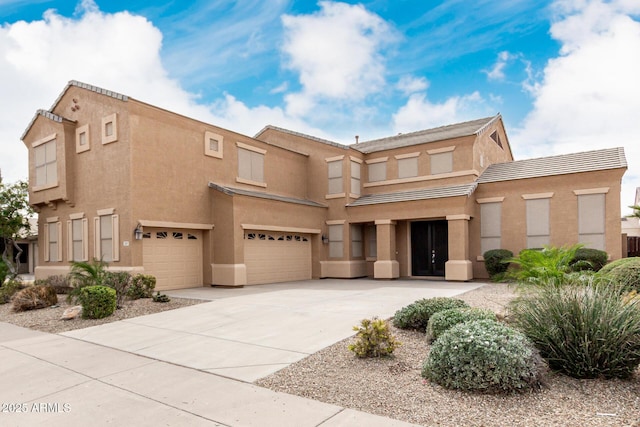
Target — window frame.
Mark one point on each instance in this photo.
(208, 136)
(50, 166)
(336, 241)
(113, 137)
(115, 235)
(72, 237)
(53, 223)
(81, 148)
(335, 175)
(256, 166)
(356, 166)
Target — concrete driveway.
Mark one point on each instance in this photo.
(169, 368)
(249, 333)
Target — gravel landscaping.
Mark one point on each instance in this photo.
(48, 319)
(393, 387)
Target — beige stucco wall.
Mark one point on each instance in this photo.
(563, 211)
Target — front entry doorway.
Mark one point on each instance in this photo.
(429, 247)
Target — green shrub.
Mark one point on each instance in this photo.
(417, 314)
(120, 281)
(59, 283)
(443, 320)
(484, 356)
(625, 274)
(34, 297)
(613, 264)
(585, 331)
(589, 259)
(4, 272)
(496, 261)
(97, 301)
(8, 289)
(142, 286)
(158, 297)
(374, 339)
(85, 274)
(549, 266)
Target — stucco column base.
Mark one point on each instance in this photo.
(229, 274)
(386, 269)
(458, 270)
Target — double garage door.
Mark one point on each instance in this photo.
(276, 257)
(173, 256)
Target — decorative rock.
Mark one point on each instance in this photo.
(71, 313)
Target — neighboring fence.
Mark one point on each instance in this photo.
(633, 246)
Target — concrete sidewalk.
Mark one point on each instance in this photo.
(192, 366)
(52, 380)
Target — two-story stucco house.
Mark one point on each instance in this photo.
(148, 190)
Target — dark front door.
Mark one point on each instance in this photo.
(429, 247)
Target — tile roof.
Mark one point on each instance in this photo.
(441, 133)
(588, 161)
(44, 113)
(92, 88)
(413, 195)
(314, 138)
(48, 113)
(230, 191)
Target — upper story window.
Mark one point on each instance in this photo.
(110, 128)
(335, 176)
(441, 160)
(250, 164)
(82, 139)
(407, 165)
(355, 177)
(377, 169)
(213, 144)
(46, 162)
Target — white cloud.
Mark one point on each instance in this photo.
(497, 72)
(589, 96)
(420, 113)
(410, 84)
(336, 51)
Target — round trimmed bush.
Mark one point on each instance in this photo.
(97, 301)
(583, 330)
(416, 315)
(484, 356)
(626, 273)
(443, 320)
(613, 264)
(494, 261)
(589, 259)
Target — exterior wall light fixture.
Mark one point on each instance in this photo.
(138, 232)
(325, 239)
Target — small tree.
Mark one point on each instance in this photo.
(14, 221)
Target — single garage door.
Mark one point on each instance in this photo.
(173, 256)
(276, 257)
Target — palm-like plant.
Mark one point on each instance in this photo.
(84, 273)
(551, 266)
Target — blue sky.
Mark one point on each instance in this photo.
(563, 73)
